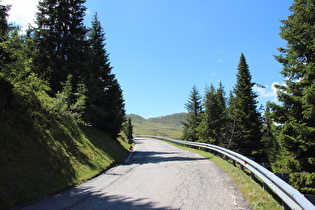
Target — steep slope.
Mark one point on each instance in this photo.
(46, 154)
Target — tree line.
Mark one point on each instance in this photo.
(60, 67)
(284, 132)
(232, 122)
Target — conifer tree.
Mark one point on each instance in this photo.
(99, 74)
(60, 39)
(105, 104)
(205, 129)
(295, 117)
(231, 134)
(271, 145)
(5, 56)
(194, 109)
(129, 129)
(213, 118)
(244, 112)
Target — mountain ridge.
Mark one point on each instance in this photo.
(175, 118)
(171, 125)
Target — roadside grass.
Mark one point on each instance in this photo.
(42, 156)
(256, 196)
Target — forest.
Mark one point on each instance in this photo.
(280, 133)
(59, 67)
(61, 107)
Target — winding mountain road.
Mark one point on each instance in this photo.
(156, 176)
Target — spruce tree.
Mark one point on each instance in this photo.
(105, 103)
(221, 113)
(60, 38)
(295, 116)
(5, 56)
(129, 129)
(205, 129)
(231, 135)
(271, 145)
(114, 104)
(244, 112)
(213, 118)
(194, 109)
(99, 74)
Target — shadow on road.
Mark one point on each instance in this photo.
(140, 157)
(101, 201)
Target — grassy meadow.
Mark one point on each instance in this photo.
(170, 125)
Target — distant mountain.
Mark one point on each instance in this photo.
(168, 119)
(171, 125)
(136, 118)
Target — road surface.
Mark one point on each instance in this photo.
(156, 176)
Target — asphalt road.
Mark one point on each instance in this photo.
(156, 176)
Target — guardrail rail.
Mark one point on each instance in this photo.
(290, 196)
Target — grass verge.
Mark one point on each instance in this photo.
(44, 156)
(256, 196)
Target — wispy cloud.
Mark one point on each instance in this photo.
(22, 12)
(268, 92)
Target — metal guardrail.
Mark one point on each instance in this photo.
(290, 196)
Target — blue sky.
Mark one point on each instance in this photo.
(159, 49)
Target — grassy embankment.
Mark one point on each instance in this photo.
(256, 196)
(44, 155)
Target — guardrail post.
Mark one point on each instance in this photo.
(265, 186)
(226, 158)
(252, 175)
(234, 163)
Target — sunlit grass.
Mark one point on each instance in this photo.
(50, 155)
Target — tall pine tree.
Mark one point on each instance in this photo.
(244, 112)
(99, 74)
(295, 117)
(213, 118)
(105, 104)
(60, 37)
(5, 56)
(194, 109)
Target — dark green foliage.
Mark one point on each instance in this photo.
(231, 134)
(235, 125)
(213, 119)
(244, 112)
(4, 26)
(60, 41)
(4, 30)
(295, 116)
(115, 107)
(46, 82)
(6, 94)
(194, 109)
(129, 129)
(105, 104)
(303, 182)
(271, 145)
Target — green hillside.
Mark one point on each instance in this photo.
(46, 154)
(170, 125)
